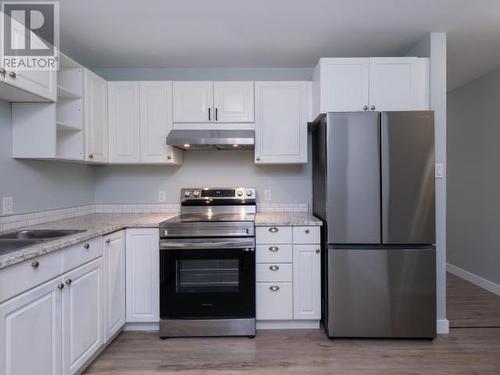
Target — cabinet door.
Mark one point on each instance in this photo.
(193, 101)
(96, 118)
(114, 283)
(82, 315)
(345, 85)
(142, 260)
(281, 122)
(124, 141)
(234, 101)
(156, 123)
(41, 83)
(30, 332)
(306, 282)
(393, 83)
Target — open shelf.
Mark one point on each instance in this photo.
(66, 93)
(67, 126)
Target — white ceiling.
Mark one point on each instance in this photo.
(275, 33)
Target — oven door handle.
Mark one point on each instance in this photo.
(248, 245)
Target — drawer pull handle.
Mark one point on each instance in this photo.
(273, 230)
(307, 231)
(35, 264)
(108, 241)
(318, 251)
(274, 268)
(60, 286)
(86, 246)
(69, 281)
(274, 288)
(273, 248)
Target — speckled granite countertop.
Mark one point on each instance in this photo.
(95, 224)
(265, 219)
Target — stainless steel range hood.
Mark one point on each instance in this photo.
(212, 139)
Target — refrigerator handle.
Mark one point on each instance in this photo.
(384, 174)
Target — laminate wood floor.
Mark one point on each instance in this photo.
(463, 351)
(470, 306)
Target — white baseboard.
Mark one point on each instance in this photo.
(443, 327)
(146, 327)
(287, 324)
(490, 286)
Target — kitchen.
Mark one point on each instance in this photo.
(166, 203)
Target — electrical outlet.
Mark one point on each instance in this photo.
(7, 206)
(161, 196)
(439, 170)
(267, 194)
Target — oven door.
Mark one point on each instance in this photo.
(207, 278)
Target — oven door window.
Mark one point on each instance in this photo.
(215, 283)
(208, 276)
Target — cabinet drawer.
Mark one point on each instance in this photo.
(271, 235)
(274, 301)
(306, 235)
(276, 253)
(270, 272)
(24, 276)
(76, 255)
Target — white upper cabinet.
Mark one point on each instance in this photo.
(213, 102)
(96, 118)
(41, 84)
(124, 130)
(371, 84)
(281, 114)
(193, 101)
(346, 86)
(233, 101)
(396, 84)
(156, 123)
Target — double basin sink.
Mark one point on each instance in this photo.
(17, 240)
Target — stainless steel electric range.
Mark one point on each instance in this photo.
(207, 265)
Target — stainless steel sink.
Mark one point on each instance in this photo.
(40, 234)
(23, 238)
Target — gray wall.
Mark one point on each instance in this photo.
(40, 185)
(140, 184)
(473, 224)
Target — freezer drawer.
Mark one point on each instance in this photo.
(381, 292)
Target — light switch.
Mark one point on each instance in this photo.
(7, 206)
(267, 194)
(161, 196)
(439, 170)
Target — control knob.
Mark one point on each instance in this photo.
(187, 193)
(196, 193)
(239, 193)
(249, 193)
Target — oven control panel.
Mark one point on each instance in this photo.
(209, 194)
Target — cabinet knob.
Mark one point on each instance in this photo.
(274, 268)
(307, 231)
(169, 157)
(86, 246)
(35, 264)
(3, 71)
(91, 156)
(273, 230)
(274, 288)
(69, 281)
(318, 251)
(257, 158)
(274, 248)
(365, 108)
(372, 107)
(108, 240)
(60, 286)
(12, 75)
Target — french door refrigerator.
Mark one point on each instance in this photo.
(373, 186)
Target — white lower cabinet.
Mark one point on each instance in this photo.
(143, 279)
(82, 315)
(307, 282)
(114, 283)
(30, 332)
(288, 275)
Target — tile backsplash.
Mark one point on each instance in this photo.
(22, 220)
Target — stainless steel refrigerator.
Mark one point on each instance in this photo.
(373, 186)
